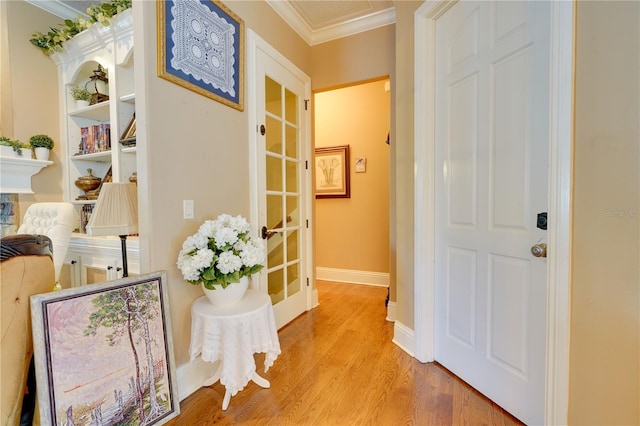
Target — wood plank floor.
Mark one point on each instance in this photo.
(339, 367)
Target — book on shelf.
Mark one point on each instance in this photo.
(85, 215)
(96, 138)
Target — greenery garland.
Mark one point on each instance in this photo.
(52, 41)
(15, 144)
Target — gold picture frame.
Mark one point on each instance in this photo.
(129, 135)
(221, 78)
(332, 172)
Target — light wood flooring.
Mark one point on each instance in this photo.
(339, 367)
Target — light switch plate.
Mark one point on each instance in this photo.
(188, 209)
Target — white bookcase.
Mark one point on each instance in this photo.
(112, 48)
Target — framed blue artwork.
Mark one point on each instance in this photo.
(201, 48)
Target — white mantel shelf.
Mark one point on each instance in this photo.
(16, 173)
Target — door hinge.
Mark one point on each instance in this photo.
(306, 104)
(307, 223)
(307, 281)
(306, 165)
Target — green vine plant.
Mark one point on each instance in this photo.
(52, 41)
(16, 145)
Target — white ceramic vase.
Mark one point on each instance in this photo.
(227, 296)
(81, 103)
(42, 153)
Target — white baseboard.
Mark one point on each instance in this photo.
(192, 375)
(404, 337)
(350, 276)
(391, 311)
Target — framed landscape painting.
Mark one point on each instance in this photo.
(104, 353)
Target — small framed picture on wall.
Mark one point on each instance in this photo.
(332, 172)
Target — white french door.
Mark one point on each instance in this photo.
(492, 156)
(281, 179)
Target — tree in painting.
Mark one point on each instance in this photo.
(127, 312)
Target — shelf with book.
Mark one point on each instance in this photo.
(102, 156)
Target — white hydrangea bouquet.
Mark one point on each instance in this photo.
(221, 252)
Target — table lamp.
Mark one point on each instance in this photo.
(116, 213)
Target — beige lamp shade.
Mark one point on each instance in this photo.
(116, 211)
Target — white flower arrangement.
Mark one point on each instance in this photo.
(221, 252)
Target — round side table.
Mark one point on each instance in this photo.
(233, 335)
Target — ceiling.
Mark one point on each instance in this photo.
(316, 21)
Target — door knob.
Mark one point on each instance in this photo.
(266, 234)
(539, 250)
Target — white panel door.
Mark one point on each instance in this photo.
(492, 137)
(283, 188)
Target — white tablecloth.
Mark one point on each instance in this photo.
(233, 334)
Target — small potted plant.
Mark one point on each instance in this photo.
(42, 145)
(81, 95)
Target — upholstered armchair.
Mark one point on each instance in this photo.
(55, 220)
(26, 268)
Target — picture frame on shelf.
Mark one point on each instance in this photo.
(125, 325)
(128, 137)
(222, 81)
(332, 172)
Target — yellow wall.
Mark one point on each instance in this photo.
(353, 233)
(361, 57)
(605, 319)
(29, 93)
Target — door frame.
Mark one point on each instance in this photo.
(255, 43)
(560, 195)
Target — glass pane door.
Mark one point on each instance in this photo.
(283, 196)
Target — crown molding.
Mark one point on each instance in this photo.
(355, 26)
(333, 32)
(56, 8)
